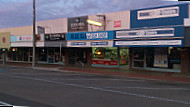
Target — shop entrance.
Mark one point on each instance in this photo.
(78, 54)
(157, 58)
(124, 57)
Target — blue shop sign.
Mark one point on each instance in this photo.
(160, 16)
(98, 43)
(78, 43)
(103, 35)
(150, 33)
(149, 43)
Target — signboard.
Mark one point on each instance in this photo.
(151, 33)
(5, 40)
(103, 62)
(117, 23)
(158, 13)
(90, 44)
(24, 38)
(55, 37)
(145, 33)
(159, 16)
(78, 24)
(152, 43)
(41, 30)
(102, 35)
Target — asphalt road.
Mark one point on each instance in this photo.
(46, 88)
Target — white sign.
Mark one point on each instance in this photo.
(149, 43)
(90, 44)
(158, 13)
(24, 38)
(99, 35)
(145, 33)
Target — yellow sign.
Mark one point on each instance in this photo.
(94, 22)
(5, 40)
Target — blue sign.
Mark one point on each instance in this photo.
(101, 35)
(160, 16)
(98, 43)
(149, 43)
(151, 33)
(78, 43)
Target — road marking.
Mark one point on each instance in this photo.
(103, 89)
(145, 88)
(4, 104)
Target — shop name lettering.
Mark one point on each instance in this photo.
(156, 13)
(76, 25)
(161, 12)
(97, 35)
(141, 33)
(89, 35)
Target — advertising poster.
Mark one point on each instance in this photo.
(161, 57)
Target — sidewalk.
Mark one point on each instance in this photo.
(155, 75)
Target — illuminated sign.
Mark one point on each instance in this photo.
(97, 35)
(94, 22)
(158, 13)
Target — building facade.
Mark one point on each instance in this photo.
(155, 39)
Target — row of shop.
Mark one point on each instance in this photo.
(154, 39)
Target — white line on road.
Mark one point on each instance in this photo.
(145, 88)
(4, 104)
(103, 89)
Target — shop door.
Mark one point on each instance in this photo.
(78, 54)
(138, 57)
(124, 57)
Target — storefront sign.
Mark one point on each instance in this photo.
(158, 13)
(117, 23)
(162, 16)
(149, 43)
(102, 62)
(145, 33)
(24, 38)
(5, 40)
(78, 24)
(102, 35)
(90, 44)
(55, 37)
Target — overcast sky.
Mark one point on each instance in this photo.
(14, 13)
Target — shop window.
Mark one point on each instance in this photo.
(138, 57)
(43, 55)
(105, 56)
(124, 57)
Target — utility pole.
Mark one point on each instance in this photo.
(34, 35)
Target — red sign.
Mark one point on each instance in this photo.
(102, 62)
(117, 23)
(4, 39)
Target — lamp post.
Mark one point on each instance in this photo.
(34, 35)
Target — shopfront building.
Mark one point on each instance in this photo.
(156, 39)
(94, 48)
(4, 44)
(53, 51)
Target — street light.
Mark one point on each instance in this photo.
(34, 34)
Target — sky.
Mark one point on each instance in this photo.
(15, 13)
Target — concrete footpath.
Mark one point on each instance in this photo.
(153, 75)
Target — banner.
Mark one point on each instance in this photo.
(78, 24)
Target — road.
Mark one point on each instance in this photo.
(46, 88)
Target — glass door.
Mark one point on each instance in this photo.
(138, 57)
(124, 57)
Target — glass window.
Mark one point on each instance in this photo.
(105, 55)
(124, 56)
(43, 54)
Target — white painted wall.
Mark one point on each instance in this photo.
(111, 19)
